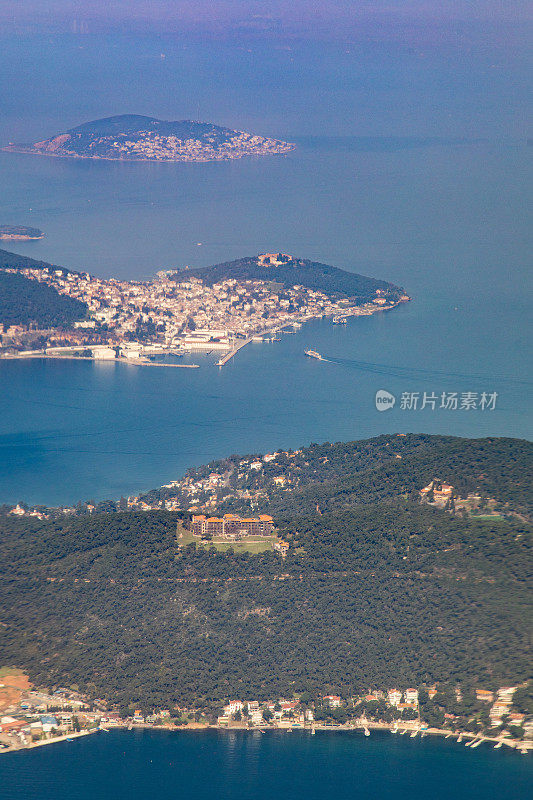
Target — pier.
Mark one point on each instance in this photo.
(229, 356)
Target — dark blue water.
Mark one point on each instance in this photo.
(412, 166)
(156, 764)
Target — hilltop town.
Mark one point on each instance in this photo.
(179, 311)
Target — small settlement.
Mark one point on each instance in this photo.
(33, 718)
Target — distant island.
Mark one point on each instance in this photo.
(19, 233)
(132, 137)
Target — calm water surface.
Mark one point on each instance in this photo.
(411, 166)
(250, 765)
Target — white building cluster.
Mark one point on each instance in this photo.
(178, 310)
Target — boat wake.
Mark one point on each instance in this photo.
(414, 373)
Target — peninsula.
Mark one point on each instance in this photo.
(132, 137)
(19, 233)
(222, 307)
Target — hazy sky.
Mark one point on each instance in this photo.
(271, 15)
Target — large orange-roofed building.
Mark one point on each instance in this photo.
(231, 526)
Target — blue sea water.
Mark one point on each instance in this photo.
(250, 765)
(411, 165)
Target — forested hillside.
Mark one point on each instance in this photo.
(297, 272)
(26, 302)
(9, 260)
(371, 594)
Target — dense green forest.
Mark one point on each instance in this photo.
(25, 302)
(297, 272)
(371, 594)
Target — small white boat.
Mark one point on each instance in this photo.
(313, 354)
(476, 744)
(413, 734)
(367, 732)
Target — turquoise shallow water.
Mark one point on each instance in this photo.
(252, 765)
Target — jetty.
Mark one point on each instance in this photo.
(224, 360)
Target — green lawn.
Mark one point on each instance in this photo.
(246, 547)
(184, 537)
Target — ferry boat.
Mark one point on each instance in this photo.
(314, 354)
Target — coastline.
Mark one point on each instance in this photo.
(42, 742)
(75, 157)
(415, 731)
(19, 238)
(401, 729)
(65, 357)
(358, 311)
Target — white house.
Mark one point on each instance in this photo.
(394, 697)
